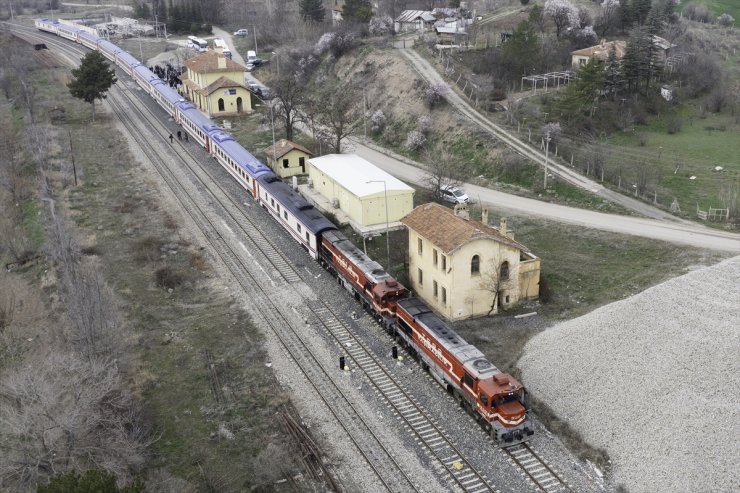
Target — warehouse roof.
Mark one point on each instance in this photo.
(353, 173)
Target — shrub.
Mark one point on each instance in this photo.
(415, 140)
(377, 121)
(698, 13)
(725, 20)
(435, 94)
(422, 124)
(168, 278)
(380, 24)
(673, 125)
(545, 290)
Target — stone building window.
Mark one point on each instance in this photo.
(505, 271)
(475, 265)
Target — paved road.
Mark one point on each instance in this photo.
(684, 232)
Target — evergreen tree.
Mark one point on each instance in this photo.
(357, 11)
(612, 74)
(92, 481)
(312, 10)
(632, 61)
(537, 18)
(92, 79)
(522, 51)
(641, 10)
(581, 97)
(626, 15)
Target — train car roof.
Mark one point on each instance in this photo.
(108, 46)
(473, 360)
(88, 35)
(128, 59)
(240, 155)
(299, 207)
(146, 72)
(372, 269)
(168, 93)
(199, 119)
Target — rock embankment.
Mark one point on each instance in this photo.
(655, 380)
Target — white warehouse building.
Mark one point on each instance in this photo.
(358, 189)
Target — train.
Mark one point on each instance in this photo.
(496, 399)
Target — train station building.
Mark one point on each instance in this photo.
(354, 191)
(215, 84)
(464, 268)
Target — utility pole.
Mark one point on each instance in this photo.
(364, 111)
(254, 31)
(387, 228)
(547, 149)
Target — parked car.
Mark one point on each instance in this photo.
(252, 84)
(453, 194)
(241, 32)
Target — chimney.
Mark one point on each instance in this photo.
(502, 227)
(484, 216)
(461, 211)
(221, 60)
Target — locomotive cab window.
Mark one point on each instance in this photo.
(484, 399)
(468, 380)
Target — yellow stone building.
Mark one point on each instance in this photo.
(368, 196)
(215, 84)
(286, 158)
(463, 268)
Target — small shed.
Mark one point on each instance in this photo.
(413, 20)
(286, 158)
(359, 189)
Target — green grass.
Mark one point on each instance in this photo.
(717, 7)
(700, 146)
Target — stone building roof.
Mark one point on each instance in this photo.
(443, 228)
(602, 50)
(221, 83)
(209, 62)
(283, 147)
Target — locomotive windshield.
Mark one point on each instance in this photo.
(499, 401)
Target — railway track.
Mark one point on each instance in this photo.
(539, 472)
(460, 472)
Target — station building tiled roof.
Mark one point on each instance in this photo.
(208, 62)
(443, 228)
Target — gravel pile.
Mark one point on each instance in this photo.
(655, 380)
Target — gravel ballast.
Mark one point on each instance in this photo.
(654, 380)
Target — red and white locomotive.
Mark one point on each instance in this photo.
(495, 398)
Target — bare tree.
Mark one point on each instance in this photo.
(442, 170)
(336, 110)
(495, 280)
(13, 168)
(290, 95)
(57, 413)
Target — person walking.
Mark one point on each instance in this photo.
(186, 137)
(179, 135)
(171, 139)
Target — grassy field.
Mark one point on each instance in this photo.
(704, 142)
(717, 7)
